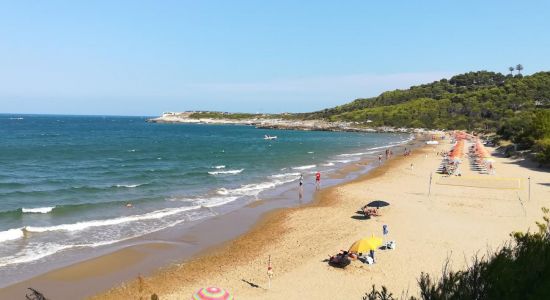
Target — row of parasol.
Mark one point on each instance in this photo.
(481, 152)
(457, 151)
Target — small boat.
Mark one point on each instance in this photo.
(270, 137)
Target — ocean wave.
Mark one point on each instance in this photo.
(285, 175)
(253, 189)
(11, 234)
(43, 250)
(304, 167)
(128, 185)
(310, 152)
(219, 167)
(19, 118)
(216, 201)
(108, 222)
(328, 164)
(342, 161)
(38, 210)
(226, 172)
(352, 154)
(33, 254)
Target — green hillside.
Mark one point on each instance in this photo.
(518, 107)
(475, 101)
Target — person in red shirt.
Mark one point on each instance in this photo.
(318, 179)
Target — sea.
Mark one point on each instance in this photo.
(69, 183)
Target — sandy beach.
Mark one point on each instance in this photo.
(455, 222)
(462, 216)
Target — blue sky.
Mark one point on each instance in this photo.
(146, 57)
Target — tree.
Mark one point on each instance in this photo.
(519, 67)
(511, 69)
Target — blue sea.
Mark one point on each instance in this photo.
(66, 181)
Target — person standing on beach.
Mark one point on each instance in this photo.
(380, 158)
(384, 232)
(372, 256)
(318, 179)
(301, 181)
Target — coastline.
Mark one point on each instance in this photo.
(427, 229)
(149, 253)
(299, 239)
(277, 123)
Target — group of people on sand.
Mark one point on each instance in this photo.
(317, 180)
(344, 258)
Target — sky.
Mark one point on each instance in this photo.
(148, 57)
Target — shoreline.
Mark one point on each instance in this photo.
(158, 250)
(451, 215)
(299, 239)
(254, 240)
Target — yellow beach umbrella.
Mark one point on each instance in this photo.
(366, 244)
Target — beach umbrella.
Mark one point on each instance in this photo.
(212, 293)
(366, 244)
(378, 204)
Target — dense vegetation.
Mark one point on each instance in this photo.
(520, 270)
(518, 107)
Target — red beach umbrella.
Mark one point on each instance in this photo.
(212, 293)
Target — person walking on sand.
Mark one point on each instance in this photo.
(301, 181)
(380, 159)
(318, 179)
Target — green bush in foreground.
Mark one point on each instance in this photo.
(520, 270)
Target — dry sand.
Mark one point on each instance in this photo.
(456, 221)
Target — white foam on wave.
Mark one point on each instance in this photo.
(351, 154)
(108, 222)
(310, 152)
(16, 118)
(342, 161)
(233, 172)
(254, 189)
(41, 250)
(32, 254)
(219, 167)
(216, 201)
(11, 234)
(37, 253)
(285, 175)
(128, 185)
(328, 164)
(304, 167)
(38, 210)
